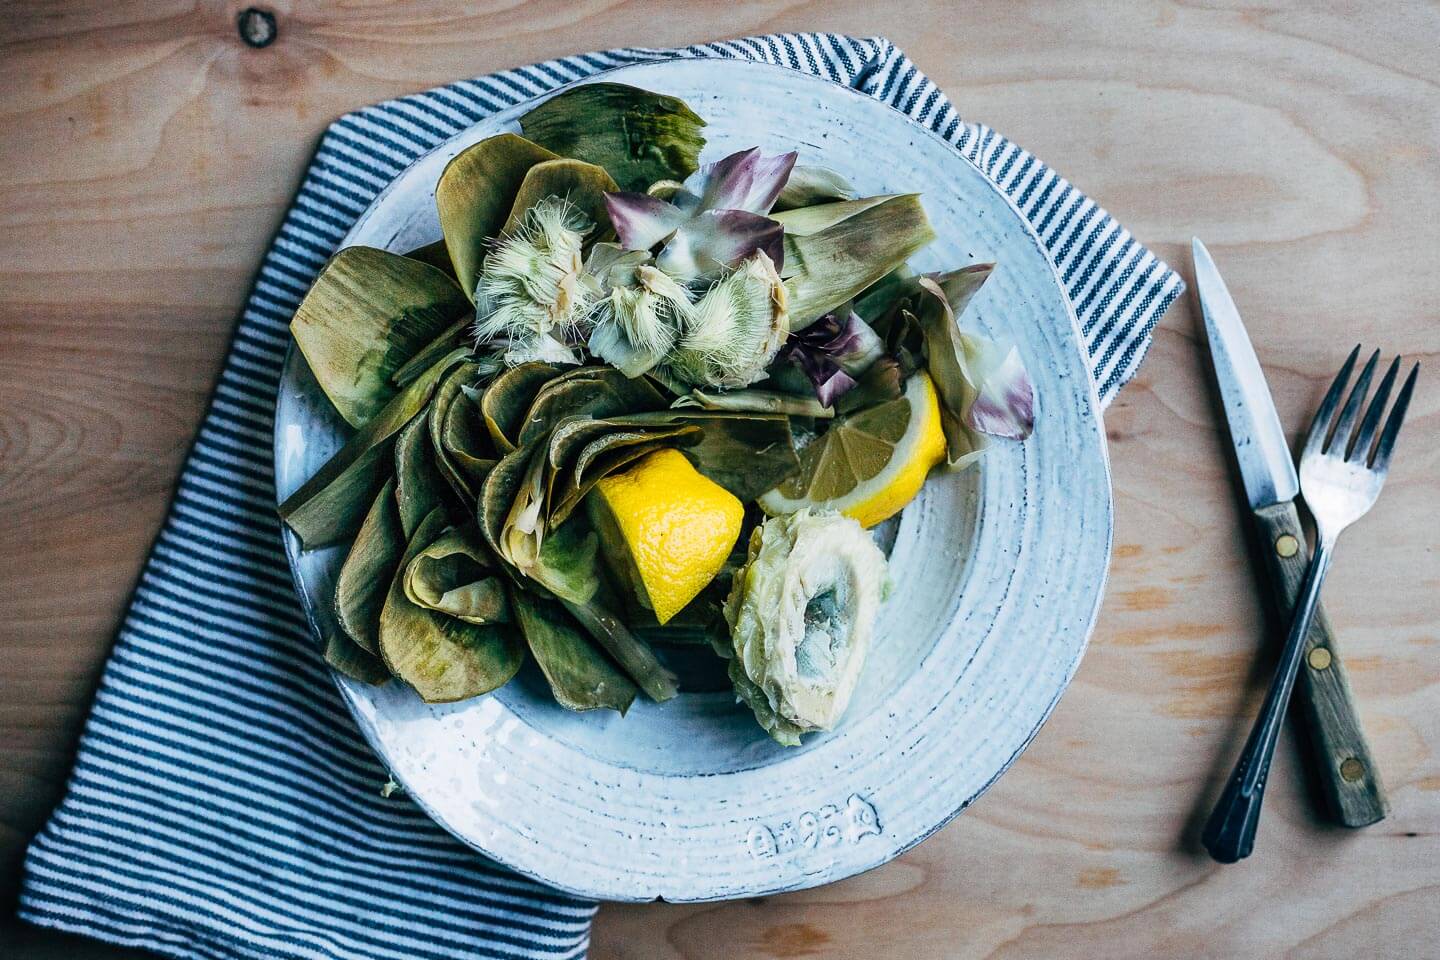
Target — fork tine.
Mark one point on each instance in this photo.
(1340, 442)
(1381, 463)
(1320, 426)
(1365, 438)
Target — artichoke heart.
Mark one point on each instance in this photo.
(801, 614)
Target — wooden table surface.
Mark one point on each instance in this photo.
(146, 156)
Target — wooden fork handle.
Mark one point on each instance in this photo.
(1342, 758)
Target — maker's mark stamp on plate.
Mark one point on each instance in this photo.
(829, 826)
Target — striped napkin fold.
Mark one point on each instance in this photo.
(223, 805)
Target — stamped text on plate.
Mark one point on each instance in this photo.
(826, 827)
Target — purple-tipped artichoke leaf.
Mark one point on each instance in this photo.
(642, 221)
(742, 181)
(718, 240)
(1004, 404)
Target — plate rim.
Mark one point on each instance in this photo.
(293, 548)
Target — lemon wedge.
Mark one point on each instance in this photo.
(665, 529)
(870, 464)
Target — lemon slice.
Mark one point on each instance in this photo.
(870, 464)
(665, 529)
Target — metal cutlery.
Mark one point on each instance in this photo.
(1339, 753)
(1342, 469)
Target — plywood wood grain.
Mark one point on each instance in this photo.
(146, 154)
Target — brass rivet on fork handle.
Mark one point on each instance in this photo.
(1287, 546)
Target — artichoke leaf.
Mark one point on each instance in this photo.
(582, 184)
(465, 438)
(367, 313)
(436, 255)
(474, 196)
(457, 575)
(499, 491)
(588, 391)
(367, 571)
(443, 658)
(638, 136)
(419, 485)
(810, 185)
(346, 656)
(580, 677)
(983, 387)
(832, 265)
(508, 398)
(810, 220)
(755, 401)
(632, 653)
(330, 504)
(448, 339)
(447, 395)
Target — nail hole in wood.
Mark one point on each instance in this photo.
(257, 27)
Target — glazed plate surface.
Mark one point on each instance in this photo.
(998, 575)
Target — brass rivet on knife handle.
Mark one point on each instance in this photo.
(1345, 766)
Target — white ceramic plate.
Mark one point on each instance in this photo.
(999, 573)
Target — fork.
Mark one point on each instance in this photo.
(1340, 477)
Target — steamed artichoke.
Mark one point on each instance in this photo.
(801, 614)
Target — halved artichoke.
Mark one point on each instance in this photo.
(801, 614)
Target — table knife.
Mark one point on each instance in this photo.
(1345, 767)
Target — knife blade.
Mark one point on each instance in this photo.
(1341, 755)
(1264, 457)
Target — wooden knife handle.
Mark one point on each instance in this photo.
(1344, 764)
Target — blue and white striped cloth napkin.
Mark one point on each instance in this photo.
(223, 805)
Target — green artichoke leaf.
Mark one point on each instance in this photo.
(447, 395)
(807, 186)
(436, 255)
(457, 575)
(580, 677)
(474, 196)
(448, 339)
(346, 656)
(809, 220)
(465, 438)
(583, 184)
(367, 313)
(755, 401)
(522, 531)
(831, 265)
(443, 658)
(419, 485)
(331, 503)
(877, 301)
(592, 391)
(499, 491)
(507, 399)
(367, 571)
(638, 136)
(633, 654)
